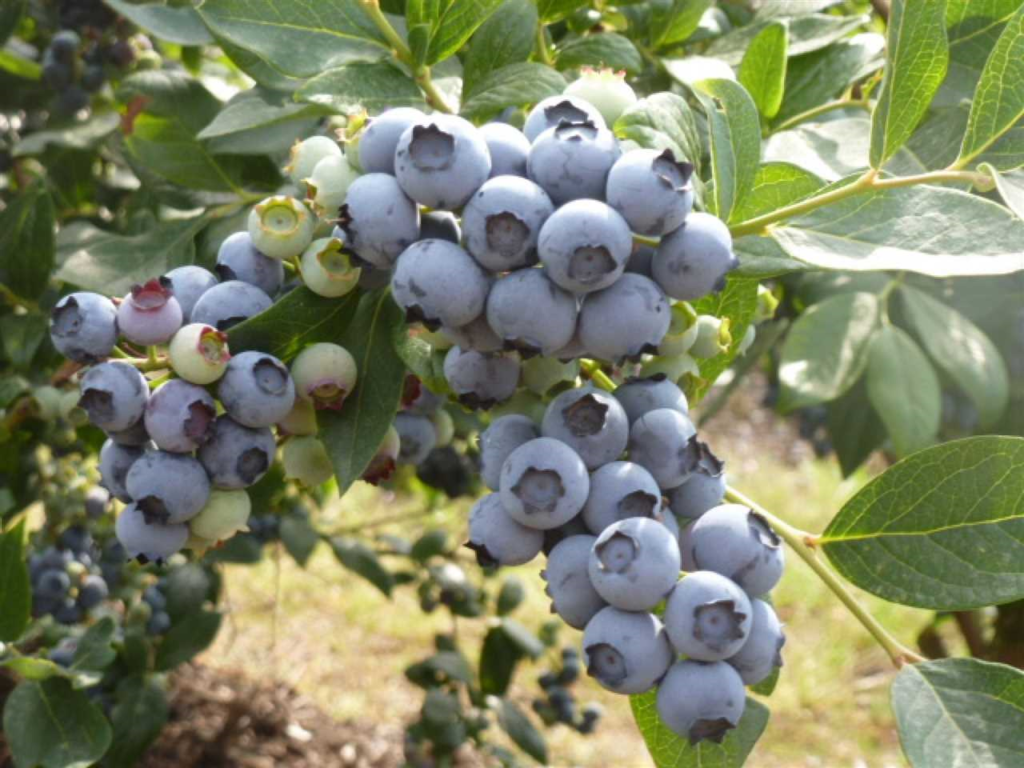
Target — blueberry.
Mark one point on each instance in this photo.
(634, 563)
(441, 161)
(572, 595)
(238, 259)
(328, 267)
(167, 487)
(68, 613)
(187, 285)
(624, 321)
(571, 161)
(711, 337)
(225, 514)
(64, 45)
(762, 653)
(663, 442)
(584, 246)
(530, 313)
(228, 304)
(503, 436)
(703, 489)
(256, 390)
(417, 437)
(83, 327)
(739, 544)
(626, 652)
(708, 617)
(640, 261)
(556, 109)
(481, 380)
(159, 623)
(155, 598)
(115, 461)
(639, 395)
(281, 227)
(236, 456)
(114, 395)
(307, 153)
(149, 314)
(701, 700)
(53, 584)
(440, 225)
(97, 501)
(619, 490)
(497, 539)
(651, 191)
(150, 541)
(589, 421)
(135, 435)
(379, 220)
(324, 374)
(508, 148)
(476, 335)
(93, 78)
(544, 483)
(382, 465)
(543, 374)
(503, 220)
(179, 416)
(305, 459)
(56, 74)
(694, 260)
(437, 283)
(93, 591)
(199, 353)
(327, 186)
(606, 89)
(378, 141)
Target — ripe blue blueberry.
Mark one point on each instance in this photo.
(703, 489)
(544, 484)
(437, 283)
(188, 284)
(179, 416)
(663, 442)
(167, 487)
(584, 246)
(503, 220)
(572, 595)
(501, 437)
(236, 456)
(591, 422)
(762, 653)
(619, 490)
(441, 161)
(530, 313)
(149, 314)
(624, 321)
(739, 544)
(481, 380)
(476, 335)
(651, 190)
(701, 700)
(115, 461)
(557, 109)
(707, 617)
(379, 220)
(626, 652)
(639, 395)
(378, 141)
(148, 541)
(497, 539)
(228, 304)
(417, 437)
(238, 259)
(694, 260)
(634, 563)
(114, 395)
(94, 590)
(256, 389)
(83, 327)
(508, 148)
(571, 161)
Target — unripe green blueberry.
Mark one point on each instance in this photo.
(327, 270)
(541, 374)
(199, 353)
(306, 154)
(713, 336)
(767, 303)
(48, 401)
(225, 514)
(437, 339)
(382, 465)
(71, 411)
(324, 374)
(682, 332)
(301, 420)
(281, 227)
(327, 186)
(444, 426)
(305, 459)
(675, 368)
(605, 89)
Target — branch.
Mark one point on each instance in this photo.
(543, 52)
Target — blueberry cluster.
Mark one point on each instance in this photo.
(558, 705)
(71, 579)
(74, 70)
(159, 621)
(181, 468)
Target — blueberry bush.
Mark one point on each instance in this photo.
(254, 252)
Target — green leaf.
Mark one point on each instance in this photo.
(50, 724)
(775, 186)
(259, 69)
(27, 241)
(510, 596)
(662, 121)
(1010, 185)
(967, 56)
(935, 231)
(854, 428)
(31, 668)
(450, 23)
(524, 639)
(186, 588)
(942, 529)
(735, 136)
(962, 350)
(299, 538)
(430, 544)
(960, 712)
(439, 669)
(998, 103)
(507, 37)
(138, 717)
(556, 10)
(175, 24)
(172, 95)
(761, 257)
(294, 321)
(904, 389)
(363, 561)
(807, 33)
(10, 15)
(369, 85)
(187, 638)
(15, 589)
(19, 66)
(95, 652)
(498, 659)
(737, 301)
(675, 20)
(605, 49)
(763, 69)
(294, 37)
(103, 261)
(827, 348)
(522, 731)
(916, 60)
(515, 85)
(670, 751)
(353, 434)
(257, 108)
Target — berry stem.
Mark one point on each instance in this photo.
(435, 98)
(644, 240)
(372, 9)
(543, 52)
(593, 369)
(801, 543)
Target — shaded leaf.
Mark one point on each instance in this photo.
(1010, 185)
(95, 651)
(27, 241)
(522, 731)
(807, 33)
(854, 428)
(515, 85)
(85, 135)
(175, 24)
(138, 716)
(299, 538)
(187, 638)
(370, 85)
(15, 589)
(602, 50)
(555, 10)
(499, 657)
(363, 561)
(507, 37)
(257, 108)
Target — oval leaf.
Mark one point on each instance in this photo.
(507, 37)
(27, 242)
(180, 25)
(370, 85)
(138, 717)
(513, 86)
(662, 121)
(15, 591)
(942, 529)
(763, 69)
(606, 49)
(776, 185)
